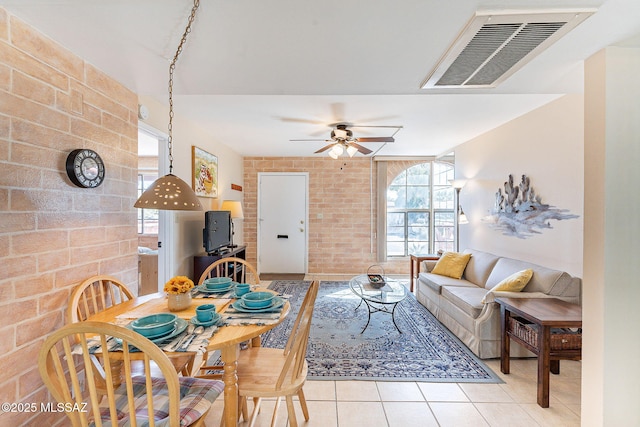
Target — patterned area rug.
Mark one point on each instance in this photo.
(424, 351)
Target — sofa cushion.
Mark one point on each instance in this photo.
(514, 283)
(543, 279)
(436, 281)
(479, 266)
(451, 264)
(467, 299)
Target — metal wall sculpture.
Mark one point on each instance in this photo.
(519, 211)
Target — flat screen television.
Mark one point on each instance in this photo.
(216, 234)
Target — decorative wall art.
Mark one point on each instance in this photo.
(519, 211)
(205, 173)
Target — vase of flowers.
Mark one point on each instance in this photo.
(178, 291)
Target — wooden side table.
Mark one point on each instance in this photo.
(414, 269)
(529, 321)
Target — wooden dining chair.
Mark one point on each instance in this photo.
(238, 269)
(98, 293)
(269, 372)
(94, 295)
(70, 370)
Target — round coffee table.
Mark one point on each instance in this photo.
(383, 299)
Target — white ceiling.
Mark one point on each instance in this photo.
(258, 73)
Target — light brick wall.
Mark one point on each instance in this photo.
(340, 190)
(53, 234)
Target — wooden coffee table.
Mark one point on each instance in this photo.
(529, 321)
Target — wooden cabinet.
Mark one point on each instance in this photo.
(148, 271)
(201, 262)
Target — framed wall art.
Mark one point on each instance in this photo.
(519, 211)
(205, 173)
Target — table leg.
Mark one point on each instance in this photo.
(411, 274)
(393, 312)
(229, 356)
(504, 340)
(554, 366)
(368, 315)
(543, 366)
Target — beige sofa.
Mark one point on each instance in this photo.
(457, 302)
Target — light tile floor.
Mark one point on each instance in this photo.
(400, 404)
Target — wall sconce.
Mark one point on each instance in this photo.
(462, 218)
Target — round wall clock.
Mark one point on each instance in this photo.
(85, 168)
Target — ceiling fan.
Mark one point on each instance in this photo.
(342, 140)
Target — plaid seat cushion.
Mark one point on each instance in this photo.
(196, 397)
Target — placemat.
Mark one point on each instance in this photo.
(159, 305)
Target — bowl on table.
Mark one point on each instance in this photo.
(154, 324)
(242, 289)
(217, 283)
(257, 299)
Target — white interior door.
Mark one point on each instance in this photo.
(282, 222)
(166, 252)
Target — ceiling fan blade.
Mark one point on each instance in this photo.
(301, 120)
(377, 126)
(309, 140)
(377, 139)
(360, 148)
(325, 148)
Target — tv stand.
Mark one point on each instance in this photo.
(220, 252)
(202, 261)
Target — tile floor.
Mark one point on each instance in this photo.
(399, 404)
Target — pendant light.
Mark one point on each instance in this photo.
(170, 192)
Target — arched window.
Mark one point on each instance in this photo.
(420, 210)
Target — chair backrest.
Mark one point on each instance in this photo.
(96, 294)
(237, 268)
(296, 348)
(66, 355)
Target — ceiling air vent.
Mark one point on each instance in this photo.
(495, 45)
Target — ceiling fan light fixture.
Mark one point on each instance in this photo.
(342, 139)
(338, 149)
(351, 150)
(339, 134)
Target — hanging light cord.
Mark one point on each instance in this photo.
(172, 67)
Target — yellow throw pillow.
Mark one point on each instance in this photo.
(514, 283)
(451, 264)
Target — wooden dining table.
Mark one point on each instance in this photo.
(227, 338)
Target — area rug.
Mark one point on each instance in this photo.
(424, 351)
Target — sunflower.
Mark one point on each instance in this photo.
(178, 285)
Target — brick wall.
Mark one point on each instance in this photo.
(53, 234)
(340, 190)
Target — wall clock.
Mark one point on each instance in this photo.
(85, 168)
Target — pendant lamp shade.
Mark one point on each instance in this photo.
(169, 193)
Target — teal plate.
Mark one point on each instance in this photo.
(205, 290)
(181, 325)
(277, 303)
(215, 320)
